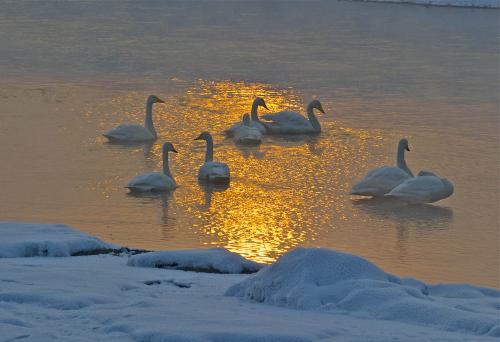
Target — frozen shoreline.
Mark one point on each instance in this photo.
(103, 297)
(445, 3)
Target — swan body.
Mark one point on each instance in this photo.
(136, 133)
(382, 180)
(254, 119)
(155, 181)
(212, 171)
(425, 188)
(247, 134)
(288, 122)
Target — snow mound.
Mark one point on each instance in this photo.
(323, 279)
(214, 260)
(19, 239)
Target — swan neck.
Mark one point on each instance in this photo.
(166, 168)
(312, 118)
(401, 163)
(253, 113)
(148, 121)
(209, 156)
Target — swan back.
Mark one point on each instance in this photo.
(380, 181)
(247, 135)
(129, 133)
(214, 172)
(423, 189)
(154, 181)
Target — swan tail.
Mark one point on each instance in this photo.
(229, 133)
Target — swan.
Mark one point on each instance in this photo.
(288, 122)
(136, 133)
(155, 181)
(247, 134)
(382, 180)
(427, 187)
(255, 121)
(211, 171)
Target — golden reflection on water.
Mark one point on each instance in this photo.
(282, 192)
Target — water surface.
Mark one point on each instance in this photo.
(74, 69)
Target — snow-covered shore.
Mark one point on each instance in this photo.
(450, 3)
(307, 295)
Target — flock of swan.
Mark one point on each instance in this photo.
(388, 181)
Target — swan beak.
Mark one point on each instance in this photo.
(264, 105)
(321, 109)
(199, 138)
(160, 101)
(174, 150)
(407, 148)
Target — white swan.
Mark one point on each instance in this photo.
(155, 181)
(255, 121)
(136, 133)
(247, 134)
(288, 122)
(381, 181)
(211, 171)
(425, 188)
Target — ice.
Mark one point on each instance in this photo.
(458, 3)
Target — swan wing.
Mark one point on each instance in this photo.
(380, 181)
(128, 132)
(287, 118)
(154, 181)
(247, 135)
(257, 125)
(238, 125)
(422, 189)
(214, 172)
(230, 131)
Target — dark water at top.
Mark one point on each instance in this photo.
(71, 70)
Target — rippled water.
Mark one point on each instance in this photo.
(74, 70)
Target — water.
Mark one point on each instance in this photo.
(71, 70)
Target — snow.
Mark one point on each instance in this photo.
(457, 3)
(323, 279)
(214, 260)
(341, 297)
(20, 239)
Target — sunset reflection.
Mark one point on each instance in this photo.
(282, 193)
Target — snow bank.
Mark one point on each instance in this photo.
(19, 239)
(456, 3)
(324, 279)
(214, 260)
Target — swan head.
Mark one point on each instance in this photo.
(317, 105)
(403, 143)
(426, 173)
(246, 119)
(204, 136)
(168, 147)
(154, 99)
(259, 101)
